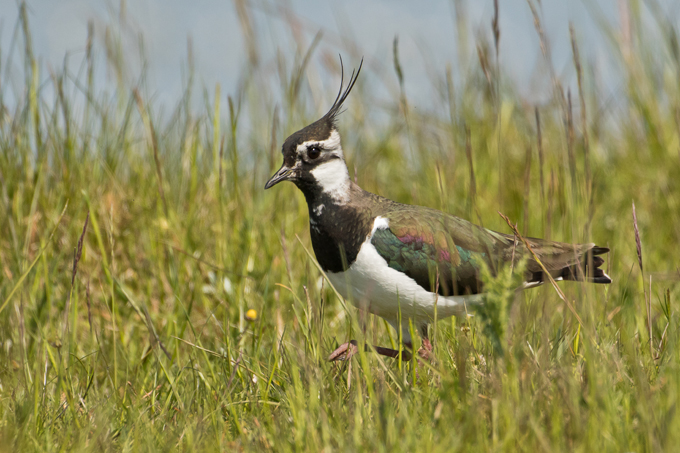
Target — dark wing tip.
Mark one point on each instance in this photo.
(587, 268)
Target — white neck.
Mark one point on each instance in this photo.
(333, 178)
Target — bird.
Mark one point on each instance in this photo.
(400, 261)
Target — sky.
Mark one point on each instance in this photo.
(426, 31)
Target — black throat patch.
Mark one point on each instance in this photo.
(337, 231)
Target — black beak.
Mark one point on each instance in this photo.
(283, 174)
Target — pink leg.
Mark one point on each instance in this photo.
(346, 350)
(425, 351)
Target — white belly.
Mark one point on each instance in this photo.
(371, 284)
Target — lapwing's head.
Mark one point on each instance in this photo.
(312, 156)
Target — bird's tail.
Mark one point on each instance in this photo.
(583, 265)
(588, 268)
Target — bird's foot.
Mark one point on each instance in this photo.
(425, 351)
(345, 351)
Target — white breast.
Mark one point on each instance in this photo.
(371, 284)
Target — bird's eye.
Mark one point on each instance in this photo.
(313, 151)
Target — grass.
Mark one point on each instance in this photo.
(135, 240)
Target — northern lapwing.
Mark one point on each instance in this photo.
(397, 260)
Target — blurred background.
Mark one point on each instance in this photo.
(155, 37)
(154, 296)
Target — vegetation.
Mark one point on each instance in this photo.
(136, 240)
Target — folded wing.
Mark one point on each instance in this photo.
(444, 253)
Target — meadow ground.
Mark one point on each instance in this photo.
(135, 241)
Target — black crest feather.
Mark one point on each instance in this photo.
(337, 105)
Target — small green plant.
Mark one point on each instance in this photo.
(501, 291)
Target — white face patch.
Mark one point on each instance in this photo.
(332, 142)
(332, 175)
(333, 178)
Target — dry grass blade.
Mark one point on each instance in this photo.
(79, 250)
(648, 296)
(495, 28)
(233, 372)
(545, 271)
(77, 254)
(638, 244)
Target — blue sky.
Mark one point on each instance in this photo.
(426, 30)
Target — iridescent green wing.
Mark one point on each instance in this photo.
(437, 250)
